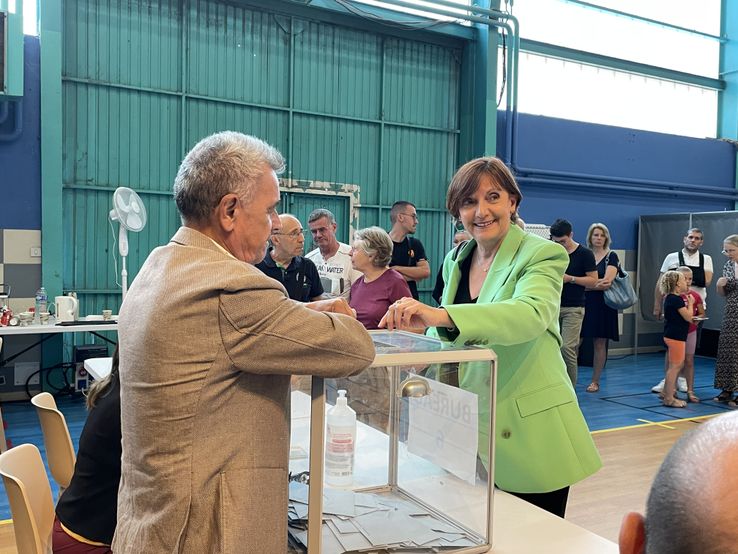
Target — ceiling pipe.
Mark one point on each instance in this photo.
(511, 95)
(492, 19)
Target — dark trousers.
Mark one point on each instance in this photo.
(553, 502)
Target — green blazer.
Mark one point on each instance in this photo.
(542, 441)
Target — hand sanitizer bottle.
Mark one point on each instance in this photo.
(340, 442)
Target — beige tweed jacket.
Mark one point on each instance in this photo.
(207, 347)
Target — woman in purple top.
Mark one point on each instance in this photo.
(380, 286)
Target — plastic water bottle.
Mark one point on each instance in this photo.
(42, 302)
(340, 443)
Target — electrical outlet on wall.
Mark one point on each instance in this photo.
(35, 251)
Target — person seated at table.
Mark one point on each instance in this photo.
(689, 508)
(380, 285)
(502, 292)
(87, 509)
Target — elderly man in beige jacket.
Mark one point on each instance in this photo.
(207, 347)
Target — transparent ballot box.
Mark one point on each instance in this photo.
(421, 453)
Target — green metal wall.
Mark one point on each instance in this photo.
(144, 80)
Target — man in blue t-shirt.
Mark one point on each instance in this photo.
(284, 262)
(581, 274)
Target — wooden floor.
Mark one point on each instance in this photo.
(630, 458)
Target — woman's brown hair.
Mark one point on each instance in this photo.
(101, 387)
(466, 181)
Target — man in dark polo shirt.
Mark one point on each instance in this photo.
(408, 254)
(284, 262)
(581, 273)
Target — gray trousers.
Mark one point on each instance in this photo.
(570, 324)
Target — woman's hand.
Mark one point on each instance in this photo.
(720, 285)
(603, 284)
(409, 314)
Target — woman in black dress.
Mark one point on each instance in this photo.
(600, 321)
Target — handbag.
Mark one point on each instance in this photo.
(621, 294)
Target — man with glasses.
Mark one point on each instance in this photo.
(408, 254)
(284, 261)
(701, 266)
(332, 258)
(580, 274)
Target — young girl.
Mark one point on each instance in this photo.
(698, 310)
(677, 317)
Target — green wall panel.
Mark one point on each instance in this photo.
(418, 166)
(422, 84)
(336, 150)
(205, 117)
(119, 137)
(131, 42)
(238, 54)
(144, 80)
(337, 70)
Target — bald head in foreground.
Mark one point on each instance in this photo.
(689, 510)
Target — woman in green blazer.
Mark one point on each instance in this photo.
(502, 290)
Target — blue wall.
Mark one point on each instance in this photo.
(570, 146)
(20, 159)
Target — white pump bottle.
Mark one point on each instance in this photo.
(340, 443)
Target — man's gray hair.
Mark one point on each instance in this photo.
(226, 162)
(376, 242)
(322, 212)
(683, 516)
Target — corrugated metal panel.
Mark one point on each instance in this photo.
(380, 112)
(207, 117)
(120, 137)
(237, 54)
(336, 150)
(421, 84)
(131, 42)
(337, 70)
(418, 166)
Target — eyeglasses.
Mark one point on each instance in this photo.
(414, 216)
(292, 234)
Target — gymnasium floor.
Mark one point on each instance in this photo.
(624, 400)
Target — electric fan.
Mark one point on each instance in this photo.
(130, 213)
